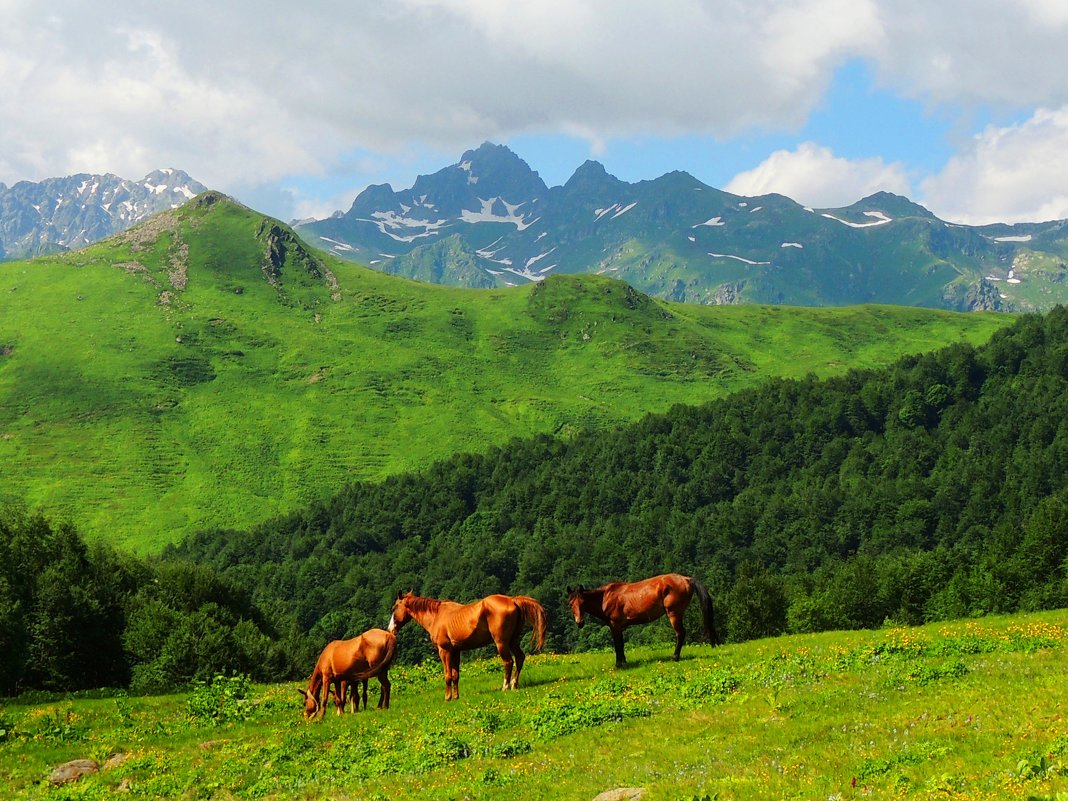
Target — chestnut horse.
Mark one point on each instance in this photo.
(454, 627)
(350, 662)
(620, 605)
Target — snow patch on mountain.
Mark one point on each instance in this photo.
(736, 258)
(880, 219)
(488, 214)
(712, 223)
(394, 221)
(339, 246)
(532, 261)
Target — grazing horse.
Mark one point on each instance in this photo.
(454, 627)
(620, 605)
(350, 662)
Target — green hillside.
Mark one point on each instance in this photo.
(205, 369)
(967, 710)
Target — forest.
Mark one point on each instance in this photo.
(933, 489)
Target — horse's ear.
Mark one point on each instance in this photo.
(568, 589)
(400, 594)
(580, 589)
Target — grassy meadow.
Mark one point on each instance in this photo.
(173, 378)
(966, 710)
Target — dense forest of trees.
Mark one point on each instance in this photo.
(74, 617)
(936, 488)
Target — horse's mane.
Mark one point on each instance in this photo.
(421, 604)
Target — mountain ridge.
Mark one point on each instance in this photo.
(60, 214)
(676, 238)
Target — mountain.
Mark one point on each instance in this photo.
(207, 369)
(61, 214)
(489, 220)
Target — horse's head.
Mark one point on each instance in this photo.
(576, 599)
(400, 614)
(311, 704)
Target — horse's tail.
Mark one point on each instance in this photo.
(706, 610)
(534, 614)
(383, 665)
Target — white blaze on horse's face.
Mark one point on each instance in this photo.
(398, 616)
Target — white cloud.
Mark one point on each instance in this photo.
(1004, 52)
(814, 176)
(243, 92)
(226, 90)
(1017, 173)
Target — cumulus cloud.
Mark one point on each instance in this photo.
(238, 93)
(227, 89)
(813, 175)
(1017, 173)
(1003, 52)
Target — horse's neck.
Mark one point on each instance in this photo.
(594, 602)
(425, 614)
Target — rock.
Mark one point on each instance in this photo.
(73, 770)
(621, 794)
(115, 760)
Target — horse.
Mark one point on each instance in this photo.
(350, 662)
(620, 604)
(455, 627)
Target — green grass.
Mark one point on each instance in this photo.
(969, 710)
(156, 383)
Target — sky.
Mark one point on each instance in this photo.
(293, 109)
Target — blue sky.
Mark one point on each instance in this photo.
(962, 106)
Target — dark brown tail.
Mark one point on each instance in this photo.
(534, 614)
(706, 611)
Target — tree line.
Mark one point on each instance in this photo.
(75, 617)
(936, 488)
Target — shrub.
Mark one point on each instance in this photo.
(223, 699)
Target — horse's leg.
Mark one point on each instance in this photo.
(446, 664)
(520, 657)
(617, 641)
(504, 649)
(365, 694)
(678, 623)
(383, 692)
(455, 662)
(338, 688)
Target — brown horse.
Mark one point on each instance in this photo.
(454, 627)
(350, 662)
(620, 605)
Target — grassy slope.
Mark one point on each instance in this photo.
(969, 710)
(141, 420)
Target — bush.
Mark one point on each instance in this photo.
(221, 700)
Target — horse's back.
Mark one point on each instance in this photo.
(646, 600)
(363, 653)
